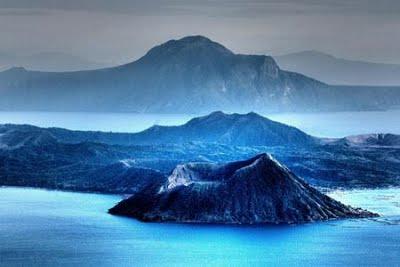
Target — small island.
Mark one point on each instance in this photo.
(259, 190)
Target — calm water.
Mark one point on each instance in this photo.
(337, 124)
(340, 124)
(50, 228)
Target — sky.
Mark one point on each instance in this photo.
(119, 31)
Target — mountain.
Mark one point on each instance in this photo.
(258, 190)
(230, 129)
(190, 75)
(333, 70)
(49, 61)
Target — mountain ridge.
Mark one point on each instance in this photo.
(340, 71)
(248, 129)
(190, 75)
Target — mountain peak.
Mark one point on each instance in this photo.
(195, 46)
(222, 115)
(197, 41)
(217, 113)
(213, 115)
(195, 38)
(200, 172)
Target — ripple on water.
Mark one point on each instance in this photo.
(47, 228)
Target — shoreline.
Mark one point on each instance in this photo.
(123, 196)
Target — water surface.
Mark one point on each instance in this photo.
(49, 228)
(340, 124)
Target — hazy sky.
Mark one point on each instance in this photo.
(118, 31)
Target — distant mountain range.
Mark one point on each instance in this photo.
(190, 75)
(386, 140)
(333, 70)
(49, 61)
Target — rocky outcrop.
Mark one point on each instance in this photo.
(254, 191)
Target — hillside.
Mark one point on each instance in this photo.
(232, 129)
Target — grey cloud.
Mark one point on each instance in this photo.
(121, 30)
(225, 7)
(23, 12)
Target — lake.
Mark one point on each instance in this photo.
(48, 228)
(334, 124)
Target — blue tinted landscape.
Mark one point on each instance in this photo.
(62, 228)
(170, 133)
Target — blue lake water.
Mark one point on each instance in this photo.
(48, 228)
(336, 124)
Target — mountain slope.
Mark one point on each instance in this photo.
(335, 70)
(258, 190)
(232, 129)
(190, 75)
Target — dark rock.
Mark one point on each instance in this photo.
(254, 191)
